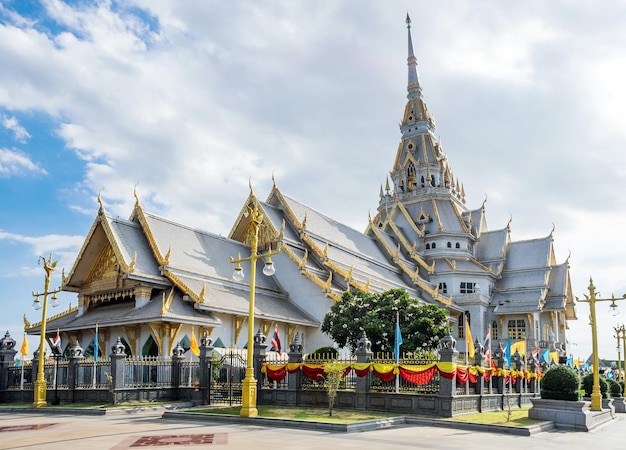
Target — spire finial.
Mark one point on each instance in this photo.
(135, 193)
(414, 87)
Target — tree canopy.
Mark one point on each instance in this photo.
(421, 326)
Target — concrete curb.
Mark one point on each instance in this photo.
(91, 411)
(366, 425)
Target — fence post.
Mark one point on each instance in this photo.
(498, 358)
(517, 365)
(363, 355)
(532, 368)
(118, 360)
(479, 360)
(7, 355)
(206, 356)
(295, 356)
(178, 356)
(76, 355)
(260, 348)
(448, 353)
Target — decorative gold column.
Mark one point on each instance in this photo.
(596, 396)
(249, 384)
(39, 388)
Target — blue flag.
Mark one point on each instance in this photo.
(398, 343)
(95, 345)
(546, 356)
(507, 352)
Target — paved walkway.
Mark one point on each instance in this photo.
(132, 429)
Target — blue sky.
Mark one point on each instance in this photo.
(187, 101)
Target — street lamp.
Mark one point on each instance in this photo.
(249, 386)
(596, 396)
(621, 333)
(39, 393)
(618, 336)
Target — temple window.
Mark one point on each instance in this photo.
(434, 245)
(494, 330)
(458, 245)
(427, 246)
(517, 329)
(449, 245)
(467, 287)
(461, 327)
(443, 288)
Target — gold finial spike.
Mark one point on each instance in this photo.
(250, 185)
(133, 262)
(273, 180)
(553, 228)
(304, 222)
(26, 322)
(484, 201)
(135, 194)
(281, 233)
(100, 199)
(166, 259)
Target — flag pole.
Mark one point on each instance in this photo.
(22, 377)
(397, 350)
(193, 336)
(95, 356)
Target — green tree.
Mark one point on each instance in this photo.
(375, 314)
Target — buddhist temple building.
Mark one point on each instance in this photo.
(153, 282)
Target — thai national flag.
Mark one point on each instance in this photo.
(276, 341)
(488, 348)
(57, 341)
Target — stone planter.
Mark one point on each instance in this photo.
(607, 403)
(567, 414)
(619, 404)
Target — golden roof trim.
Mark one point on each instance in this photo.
(28, 326)
(467, 229)
(149, 236)
(436, 210)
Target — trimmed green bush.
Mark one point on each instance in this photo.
(587, 385)
(560, 383)
(614, 388)
(323, 353)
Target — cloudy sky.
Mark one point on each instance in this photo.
(187, 101)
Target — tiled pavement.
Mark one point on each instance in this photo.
(143, 429)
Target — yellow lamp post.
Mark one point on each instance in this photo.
(621, 332)
(40, 384)
(618, 336)
(596, 396)
(249, 386)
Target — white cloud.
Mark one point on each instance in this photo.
(189, 100)
(13, 162)
(19, 132)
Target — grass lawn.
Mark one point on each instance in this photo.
(311, 414)
(518, 418)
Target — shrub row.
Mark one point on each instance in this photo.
(563, 383)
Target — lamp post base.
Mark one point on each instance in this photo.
(39, 394)
(248, 398)
(596, 401)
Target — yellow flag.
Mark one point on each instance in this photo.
(469, 340)
(193, 345)
(24, 349)
(554, 357)
(519, 346)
